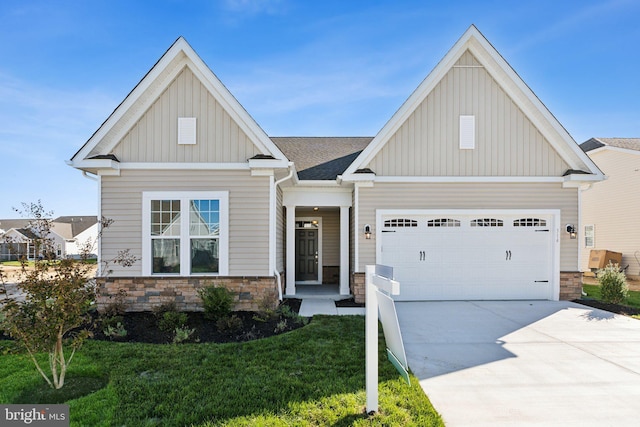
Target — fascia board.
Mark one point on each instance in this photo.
(409, 106)
(509, 80)
(152, 75)
(268, 163)
(531, 105)
(614, 149)
(180, 54)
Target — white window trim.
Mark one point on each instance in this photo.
(593, 235)
(185, 262)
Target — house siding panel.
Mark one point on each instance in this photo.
(469, 196)
(507, 143)
(612, 206)
(248, 214)
(154, 137)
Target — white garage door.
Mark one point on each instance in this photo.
(469, 256)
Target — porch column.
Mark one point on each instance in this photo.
(291, 251)
(344, 250)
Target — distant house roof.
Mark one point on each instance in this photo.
(8, 224)
(626, 143)
(321, 158)
(78, 223)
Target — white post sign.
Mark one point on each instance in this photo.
(379, 285)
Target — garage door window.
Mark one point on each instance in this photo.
(443, 222)
(530, 222)
(487, 222)
(400, 222)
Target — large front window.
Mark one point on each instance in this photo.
(186, 233)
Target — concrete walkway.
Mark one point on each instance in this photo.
(313, 306)
(524, 363)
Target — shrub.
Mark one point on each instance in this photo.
(172, 320)
(181, 334)
(117, 332)
(58, 297)
(613, 284)
(229, 324)
(217, 302)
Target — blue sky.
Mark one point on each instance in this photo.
(323, 68)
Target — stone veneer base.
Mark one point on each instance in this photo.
(146, 293)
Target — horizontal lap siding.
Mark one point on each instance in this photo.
(613, 207)
(248, 214)
(469, 196)
(507, 143)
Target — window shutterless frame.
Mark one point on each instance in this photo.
(182, 233)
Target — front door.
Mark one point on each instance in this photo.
(307, 254)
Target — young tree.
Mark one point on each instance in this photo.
(58, 296)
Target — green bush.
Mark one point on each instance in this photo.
(217, 302)
(229, 324)
(613, 284)
(172, 320)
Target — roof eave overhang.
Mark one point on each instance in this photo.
(515, 87)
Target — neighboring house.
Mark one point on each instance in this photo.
(80, 233)
(68, 234)
(610, 209)
(466, 191)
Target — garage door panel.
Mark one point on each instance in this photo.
(492, 257)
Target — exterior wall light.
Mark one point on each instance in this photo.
(571, 229)
(367, 232)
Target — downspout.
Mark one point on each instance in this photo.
(273, 206)
(92, 178)
(580, 228)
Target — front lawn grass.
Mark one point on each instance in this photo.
(313, 376)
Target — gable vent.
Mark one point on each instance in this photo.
(467, 132)
(186, 130)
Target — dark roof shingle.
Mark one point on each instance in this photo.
(321, 158)
(626, 143)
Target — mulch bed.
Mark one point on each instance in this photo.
(143, 327)
(613, 308)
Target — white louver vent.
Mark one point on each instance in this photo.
(186, 130)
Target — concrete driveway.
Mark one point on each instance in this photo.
(515, 363)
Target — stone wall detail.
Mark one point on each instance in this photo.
(146, 293)
(570, 285)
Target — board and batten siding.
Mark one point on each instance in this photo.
(484, 196)
(154, 138)
(248, 214)
(613, 207)
(507, 143)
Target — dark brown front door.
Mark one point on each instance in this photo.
(306, 255)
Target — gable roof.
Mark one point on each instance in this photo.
(77, 224)
(96, 152)
(321, 158)
(624, 143)
(472, 40)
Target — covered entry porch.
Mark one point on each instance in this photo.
(317, 240)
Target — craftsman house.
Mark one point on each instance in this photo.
(467, 191)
